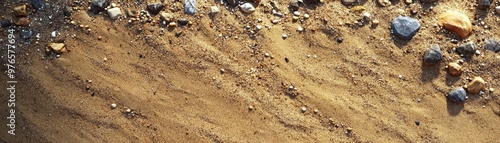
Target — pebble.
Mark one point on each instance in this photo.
(20, 11)
(306, 16)
(214, 10)
(476, 85)
(367, 16)
(467, 50)
(247, 8)
(296, 13)
(456, 22)
(276, 21)
(99, 5)
(26, 34)
(133, 12)
(38, 4)
(300, 29)
(408, 1)
(384, 3)
(113, 106)
(303, 109)
(166, 16)
(128, 110)
(284, 36)
(182, 21)
(190, 7)
(172, 24)
(258, 27)
(454, 69)
(497, 9)
(340, 40)
(457, 95)
(6, 23)
(405, 27)
(155, 8)
(23, 21)
(433, 55)
(57, 48)
(492, 45)
(114, 13)
(348, 2)
(53, 34)
(417, 123)
(484, 4)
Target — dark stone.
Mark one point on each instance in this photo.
(433, 55)
(467, 49)
(99, 5)
(457, 95)
(428, 1)
(67, 11)
(38, 4)
(484, 4)
(6, 23)
(155, 8)
(405, 27)
(26, 34)
(492, 45)
(417, 123)
(189, 7)
(340, 40)
(232, 2)
(182, 21)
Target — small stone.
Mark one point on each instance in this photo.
(266, 55)
(367, 16)
(492, 45)
(182, 21)
(99, 5)
(454, 69)
(476, 85)
(405, 27)
(57, 48)
(133, 13)
(348, 2)
(296, 13)
(23, 21)
(492, 89)
(114, 13)
(128, 110)
(166, 16)
(408, 1)
(172, 24)
(433, 55)
(316, 111)
(306, 16)
(484, 4)
(457, 95)
(456, 22)
(428, 1)
(6, 23)
(497, 9)
(247, 8)
(349, 129)
(340, 40)
(375, 22)
(26, 34)
(190, 7)
(214, 10)
(99, 38)
(250, 107)
(384, 3)
(300, 29)
(417, 123)
(303, 109)
(38, 4)
(113, 106)
(20, 11)
(284, 36)
(53, 34)
(467, 50)
(155, 8)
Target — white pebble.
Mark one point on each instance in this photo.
(113, 106)
(300, 29)
(296, 13)
(303, 109)
(284, 35)
(306, 16)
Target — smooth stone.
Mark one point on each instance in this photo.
(114, 13)
(454, 69)
(294, 4)
(6, 23)
(38, 4)
(166, 16)
(182, 21)
(476, 85)
(497, 9)
(214, 10)
(155, 8)
(456, 22)
(26, 34)
(467, 49)
(433, 55)
(492, 45)
(190, 7)
(23, 21)
(99, 5)
(405, 27)
(247, 8)
(57, 48)
(20, 11)
(384, 3)
(457, 95)
(348, 2)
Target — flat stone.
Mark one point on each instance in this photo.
(166, 16)
(456, 22)
(155, 8)
(492, 45)
(467, 49)
(6, 23)
(348, 2)
(214, 10)
(57, 48)
(38, 4)
(99, 5)
(182, 21)
(454, 69)
(26, 34)
(247, 8)
(23, 21)
(20, 11)
(190, 7)
(433, 55)
(476, 85)
(457, 95)
(114, 13)
(405, 27)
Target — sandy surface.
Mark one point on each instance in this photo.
(199, 86)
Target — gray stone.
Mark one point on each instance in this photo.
(38, 4)
(26, 34)
(214, 10)
(433, 55)
(155, 8)
(99, 5)
(247, 8)
(182, 21)
(467, 49)
(497, 9)
(348, 2)
(484, 4)
(457, 95)
(114, 13)
(492, 45)
(166, 16)
(189, 7)
(405, 27)
(6, 23)
(232, 2)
